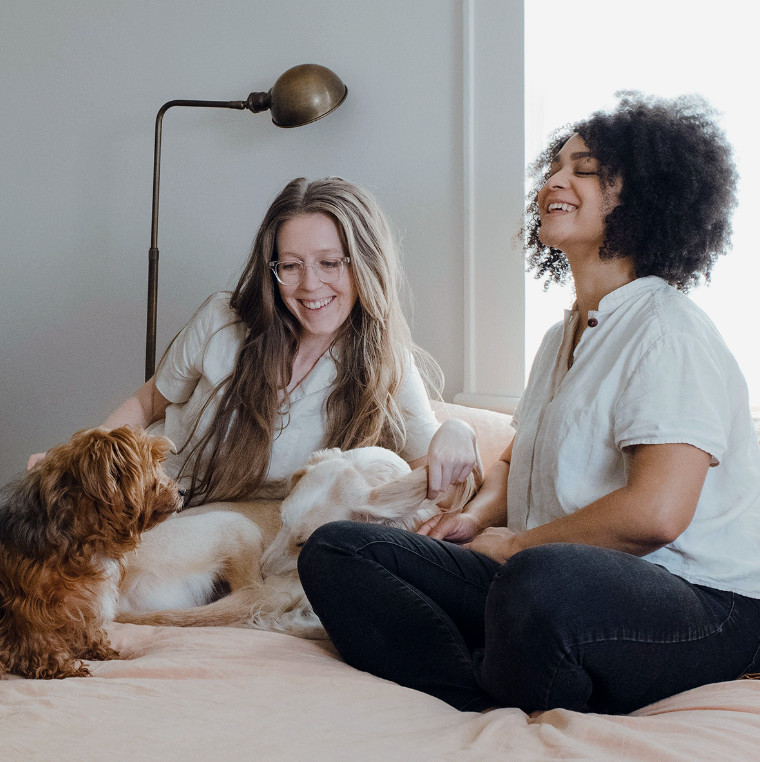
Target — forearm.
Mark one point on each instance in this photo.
(146, 406)
(618, 521)
(489, 506)
(655, 506)
(651, 510)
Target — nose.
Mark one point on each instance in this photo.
(559, 179)
(310, 279)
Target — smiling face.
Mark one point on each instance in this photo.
(573, 204)
(320, 308)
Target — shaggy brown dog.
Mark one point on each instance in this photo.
(65, 527)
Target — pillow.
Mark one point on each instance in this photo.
(492, 429)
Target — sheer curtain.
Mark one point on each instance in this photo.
(577, 55)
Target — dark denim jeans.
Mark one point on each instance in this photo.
(563, 625)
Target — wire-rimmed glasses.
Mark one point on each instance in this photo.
(290, 272)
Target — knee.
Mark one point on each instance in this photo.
(331, 540)
(537, 587)
(323, 539)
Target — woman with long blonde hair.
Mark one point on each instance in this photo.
(310, 350)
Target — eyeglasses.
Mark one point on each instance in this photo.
(291, 272)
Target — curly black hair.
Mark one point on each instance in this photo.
(678, 188)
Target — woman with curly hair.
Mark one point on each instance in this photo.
(311, 350)
(611, 556)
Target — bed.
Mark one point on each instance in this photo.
(222, 693)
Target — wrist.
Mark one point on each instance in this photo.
(473, 517)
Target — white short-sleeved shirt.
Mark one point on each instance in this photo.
(204, 354)
(651, 368)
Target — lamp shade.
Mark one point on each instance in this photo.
(304, 94)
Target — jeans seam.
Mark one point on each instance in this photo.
(423, 558)
(629, 639)
(465, 657)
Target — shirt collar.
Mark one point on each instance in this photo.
(619, 296)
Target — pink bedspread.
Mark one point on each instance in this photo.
(235, 694)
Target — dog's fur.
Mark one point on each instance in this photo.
(179, 561)
(65, 527)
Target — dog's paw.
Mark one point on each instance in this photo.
(74, 668)
(300, 621)
(101, 653)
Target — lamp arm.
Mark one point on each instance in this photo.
(256, 102)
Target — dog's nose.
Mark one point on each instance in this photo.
(181, 492)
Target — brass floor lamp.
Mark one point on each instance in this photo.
(301, 95)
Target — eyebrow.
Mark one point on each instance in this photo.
(575, 156)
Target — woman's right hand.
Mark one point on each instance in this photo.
(34, 460)
(453, 527)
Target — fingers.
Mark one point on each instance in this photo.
(437, 527)
(464, 472)
(427, 526)
(435, 478)
(451, 456)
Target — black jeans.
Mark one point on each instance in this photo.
(562, 625)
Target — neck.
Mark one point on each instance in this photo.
(595, 279)
(312, 347)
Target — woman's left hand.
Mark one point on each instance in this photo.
(498, 543)
(452, 454)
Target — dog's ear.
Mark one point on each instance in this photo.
(329, 453)
(400, 497)
(295, 478)
(318, 456)
(114, 469)
(161, 447)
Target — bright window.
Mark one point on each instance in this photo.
(579, 54)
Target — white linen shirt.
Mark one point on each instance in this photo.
(651, 368)
(204, 353)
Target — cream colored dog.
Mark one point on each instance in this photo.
(254, 546)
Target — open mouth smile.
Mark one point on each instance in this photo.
(560, 207)
(318, 304)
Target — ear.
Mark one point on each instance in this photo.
(399, 497)
(377, 466)
(331, 453)
(160, 447)
(295, 478)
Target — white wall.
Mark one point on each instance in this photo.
(82, 81)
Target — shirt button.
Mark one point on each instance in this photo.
(593, 322)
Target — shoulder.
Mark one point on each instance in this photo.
(550, 345)
(215, 321)
(216, 311)
(670, 318)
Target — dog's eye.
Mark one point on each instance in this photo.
(300, 544)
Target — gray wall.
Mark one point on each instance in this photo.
(82, 81)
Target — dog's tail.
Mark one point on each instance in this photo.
(234, 610)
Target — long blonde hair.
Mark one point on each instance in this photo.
(372, 349)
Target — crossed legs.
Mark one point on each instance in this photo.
(561, 625)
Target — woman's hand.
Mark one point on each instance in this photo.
(451, 456)
(454, 527)
(34, 460)
(498, 543)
